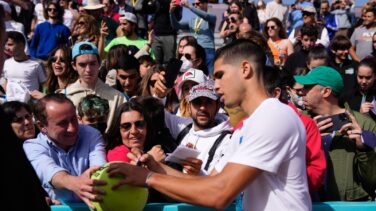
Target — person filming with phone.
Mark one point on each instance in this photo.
(201, 25)
(346, 137)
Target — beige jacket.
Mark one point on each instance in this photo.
(76, 92)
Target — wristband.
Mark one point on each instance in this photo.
(148, 44)
(147, 178)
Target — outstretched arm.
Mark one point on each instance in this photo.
(219, 190)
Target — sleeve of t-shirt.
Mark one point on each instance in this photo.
(292, 37)
(175, 123)
(352, 39)
(41, 74)
(268, 143)
(108, 47)
(43, 164)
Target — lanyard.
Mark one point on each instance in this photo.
(134, 2)
(197, 24)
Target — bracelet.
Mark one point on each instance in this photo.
(148, 44)
(147, 178)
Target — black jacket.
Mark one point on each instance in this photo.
(20, 184)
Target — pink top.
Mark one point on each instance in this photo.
(118, 153)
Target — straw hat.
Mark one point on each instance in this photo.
(93, 5)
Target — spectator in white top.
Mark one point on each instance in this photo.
(70, 14)
(21, 71)
(204, 131)
(276, 9)
(361, 39)
(10, 24)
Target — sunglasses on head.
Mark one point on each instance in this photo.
(55, 58)
(140, 124)
(20, 119)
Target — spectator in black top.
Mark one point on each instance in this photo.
(298, 59)
(164, 43)
(127, 76)
(339, 49)
(362, 97)
(19, 175)
(250, 12)
(317, 56)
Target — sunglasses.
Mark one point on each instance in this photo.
(55, 58)
(152, 83)
(187, 56)
(307, 13)
(20, 119)
(51, 9)
(128, 125)
(196, 4)
(231, 20)
(81, 23)
(271, 27)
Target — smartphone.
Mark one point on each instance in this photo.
(338, 121)
(172, 71)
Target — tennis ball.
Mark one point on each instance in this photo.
(124, 198)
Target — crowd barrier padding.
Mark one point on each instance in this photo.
(317, 206)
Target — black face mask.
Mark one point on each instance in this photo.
(101, 126)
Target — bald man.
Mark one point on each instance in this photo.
(243, 28)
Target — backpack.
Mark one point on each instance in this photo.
(212, 150)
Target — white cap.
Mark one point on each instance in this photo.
(128, 16)
(309, 9)
(194, 75)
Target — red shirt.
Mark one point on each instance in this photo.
(315, 156)
(118, 153)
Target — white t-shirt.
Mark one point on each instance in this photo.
(277, 10)
(30, 73)
(38, 12)
(68, 18)
(203, 141)
(12, 25)
(272, 139)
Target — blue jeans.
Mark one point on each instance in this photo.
(210, 54)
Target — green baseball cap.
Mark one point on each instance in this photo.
(324, 76)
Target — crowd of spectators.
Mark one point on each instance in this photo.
(87, 82)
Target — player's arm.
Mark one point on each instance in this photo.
(217, 191)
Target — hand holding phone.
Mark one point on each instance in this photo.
(172, 71)
(338, 121)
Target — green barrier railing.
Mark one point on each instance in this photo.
(317, 206)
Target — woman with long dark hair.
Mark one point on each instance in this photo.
(277, 40)
(59, 72)
(130, 130)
